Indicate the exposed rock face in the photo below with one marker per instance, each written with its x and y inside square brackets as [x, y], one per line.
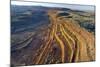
[61, 41]
[74, 43]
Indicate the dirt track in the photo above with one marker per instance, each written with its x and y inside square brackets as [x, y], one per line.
[75, 43]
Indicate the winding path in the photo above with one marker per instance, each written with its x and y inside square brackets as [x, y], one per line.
[77, 44]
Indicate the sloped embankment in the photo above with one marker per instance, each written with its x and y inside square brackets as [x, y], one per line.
[66, 41]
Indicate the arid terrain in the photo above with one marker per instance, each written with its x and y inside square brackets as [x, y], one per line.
[43, 35]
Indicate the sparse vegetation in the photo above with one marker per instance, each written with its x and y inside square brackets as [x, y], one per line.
[52, 36]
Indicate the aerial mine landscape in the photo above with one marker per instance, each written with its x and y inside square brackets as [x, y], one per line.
[51, 35]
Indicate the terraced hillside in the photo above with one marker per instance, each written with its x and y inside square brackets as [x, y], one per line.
[74, 43]
[68, 37]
